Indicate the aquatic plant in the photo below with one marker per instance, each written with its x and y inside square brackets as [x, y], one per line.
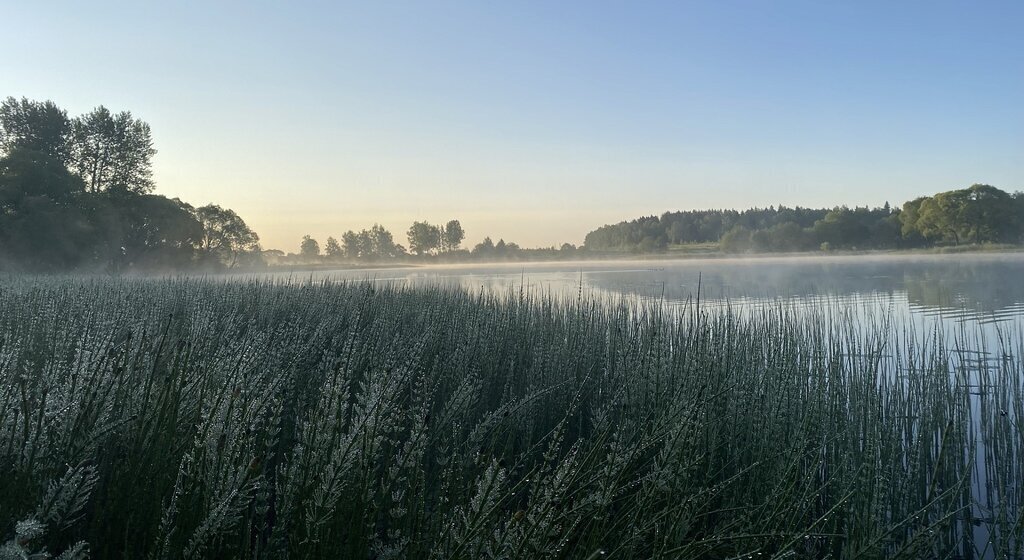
[253, 419]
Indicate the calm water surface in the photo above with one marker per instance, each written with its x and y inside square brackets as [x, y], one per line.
[978, 289]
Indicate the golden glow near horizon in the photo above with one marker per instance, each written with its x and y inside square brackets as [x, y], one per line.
[555, 199]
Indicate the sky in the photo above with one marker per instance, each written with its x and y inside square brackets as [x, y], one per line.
[539, 121]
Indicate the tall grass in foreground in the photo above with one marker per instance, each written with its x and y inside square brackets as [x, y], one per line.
[195, 419]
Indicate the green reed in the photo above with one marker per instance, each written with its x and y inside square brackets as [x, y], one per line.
[252, 419]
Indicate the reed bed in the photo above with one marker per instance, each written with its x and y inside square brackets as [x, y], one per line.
[187, 418]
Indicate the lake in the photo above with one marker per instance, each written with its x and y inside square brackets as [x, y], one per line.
[970, 288]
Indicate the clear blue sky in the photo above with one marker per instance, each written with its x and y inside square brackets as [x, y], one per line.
[538, 121]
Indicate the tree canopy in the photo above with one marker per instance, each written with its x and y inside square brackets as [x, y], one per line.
[112, 151]
[37, 126]
[310, 247]
[424, 238]
[225, 237]
[978, 214]
[75, 193]
[452, 235]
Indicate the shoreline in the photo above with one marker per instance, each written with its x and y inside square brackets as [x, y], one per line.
[648, 257]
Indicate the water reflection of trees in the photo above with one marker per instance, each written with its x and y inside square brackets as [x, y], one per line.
[978, 284]
[985, 287]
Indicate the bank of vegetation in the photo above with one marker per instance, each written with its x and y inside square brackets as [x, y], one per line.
[199, 419]
[976, 216]
[76, 194]
[428, 243]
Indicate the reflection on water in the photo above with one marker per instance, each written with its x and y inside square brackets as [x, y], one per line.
[975, 288]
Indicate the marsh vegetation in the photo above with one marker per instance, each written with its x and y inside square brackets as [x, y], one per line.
[256, 419]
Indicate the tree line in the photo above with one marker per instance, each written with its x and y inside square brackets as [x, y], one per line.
[978, 214]
[426, 242]
[77, 194]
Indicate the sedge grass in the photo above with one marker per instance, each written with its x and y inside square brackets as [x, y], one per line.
[252, 419]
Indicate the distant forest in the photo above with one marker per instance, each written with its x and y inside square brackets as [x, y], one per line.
[980, 214]
[76, 194]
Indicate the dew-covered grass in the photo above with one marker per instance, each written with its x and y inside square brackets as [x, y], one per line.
[247, 419]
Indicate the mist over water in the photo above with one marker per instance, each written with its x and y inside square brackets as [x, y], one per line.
[977, 288]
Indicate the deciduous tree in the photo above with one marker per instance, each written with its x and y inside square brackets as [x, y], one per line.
[423, 238]
[452, 235]
[309, 247]
[226, 238]
[332, 248]
[38, 126]
[112, 151]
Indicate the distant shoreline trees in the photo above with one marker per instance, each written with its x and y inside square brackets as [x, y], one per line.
[978, 214]
[427, 243]
[75, 194]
